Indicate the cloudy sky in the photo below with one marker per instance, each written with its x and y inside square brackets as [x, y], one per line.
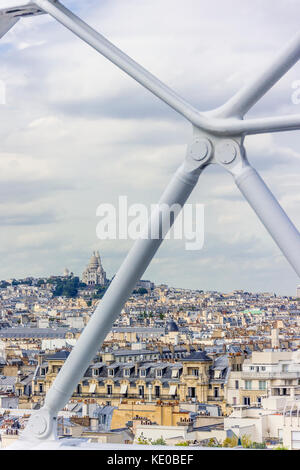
[77, 132]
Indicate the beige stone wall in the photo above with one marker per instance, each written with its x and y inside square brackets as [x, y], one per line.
[165, 415]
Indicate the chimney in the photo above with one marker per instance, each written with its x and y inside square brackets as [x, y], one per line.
[275, 338]
[40, 358]
[136, 367]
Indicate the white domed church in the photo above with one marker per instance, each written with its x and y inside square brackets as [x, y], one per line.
[94, 274]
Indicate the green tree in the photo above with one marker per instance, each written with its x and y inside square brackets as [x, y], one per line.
[159, 442]
[230, 442]
[143, 441]
[66, 287]
[246, 442]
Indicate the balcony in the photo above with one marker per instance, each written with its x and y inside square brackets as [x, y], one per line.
[134, 396]
[110, 396]
[270, 375]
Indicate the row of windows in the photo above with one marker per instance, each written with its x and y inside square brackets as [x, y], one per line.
[262, 384]
[142, 372]
[284, 368]
[151, 357]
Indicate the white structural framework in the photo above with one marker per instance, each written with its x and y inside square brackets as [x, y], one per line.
[218, 137]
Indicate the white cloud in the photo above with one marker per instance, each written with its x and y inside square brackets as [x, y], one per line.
[77, 132]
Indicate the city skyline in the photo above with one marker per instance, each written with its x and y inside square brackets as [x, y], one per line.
[52, 180]
[67, 272]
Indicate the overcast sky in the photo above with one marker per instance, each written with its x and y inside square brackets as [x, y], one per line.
[77, 132]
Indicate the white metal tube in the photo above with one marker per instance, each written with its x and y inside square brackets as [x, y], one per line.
[119, 58]
[119, 290]
[242, 101]
[271, 214]
[6, 24]
[270, 124]
[231, 126]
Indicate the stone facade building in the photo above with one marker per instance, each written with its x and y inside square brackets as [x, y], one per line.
[94, 274]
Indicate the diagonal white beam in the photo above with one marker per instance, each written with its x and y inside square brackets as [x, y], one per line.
[122, 60]
[6, 24]
[246, 98]
[271, 214]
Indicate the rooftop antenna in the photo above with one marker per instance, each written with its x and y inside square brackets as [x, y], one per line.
[218, 138]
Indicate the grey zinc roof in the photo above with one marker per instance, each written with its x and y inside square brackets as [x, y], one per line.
[23, 332]
[7, 380]
[220, 363]
[197, 356]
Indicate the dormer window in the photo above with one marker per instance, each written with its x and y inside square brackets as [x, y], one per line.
[159, 373]
[143, 373]
[126, 372]
[111, 372]
[43, 371]
[95, 372]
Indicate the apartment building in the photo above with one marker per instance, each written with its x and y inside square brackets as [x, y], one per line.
[270, 372]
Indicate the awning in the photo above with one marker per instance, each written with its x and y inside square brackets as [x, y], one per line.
[124, 388]
[172, 390]
[92, 388]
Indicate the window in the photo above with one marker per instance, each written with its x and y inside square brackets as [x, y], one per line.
[246, 401]
[236, 384]
[41, 388]
[157, 391]
[159, 373]
[262, 385]
[248, 384]
[191, 392]
[143, 372]
[285, 367]
[126, 372]
[109, 389]
[95, 371]
[102, 419]
[195, 372]
[141, 391]
[110, 372]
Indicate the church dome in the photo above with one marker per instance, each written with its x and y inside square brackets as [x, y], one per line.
[94, 261]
